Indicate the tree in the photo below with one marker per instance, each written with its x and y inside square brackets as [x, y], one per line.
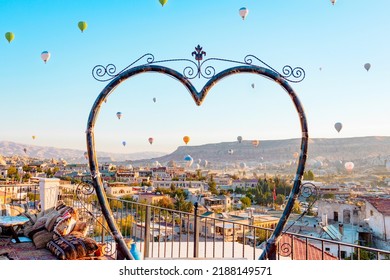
[246, 202]
[165, 202]
[280, 199]
[308, 176]
[212, 186]
[296, 208]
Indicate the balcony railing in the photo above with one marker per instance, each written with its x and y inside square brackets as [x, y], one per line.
[161, 233]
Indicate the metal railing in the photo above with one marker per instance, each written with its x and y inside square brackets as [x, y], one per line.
[16, 198]
[161, 233]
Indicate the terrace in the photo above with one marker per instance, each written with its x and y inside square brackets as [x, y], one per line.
[160, 233]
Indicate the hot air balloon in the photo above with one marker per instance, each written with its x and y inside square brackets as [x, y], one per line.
[242, 165]
[9, 36]
[333, 2]
[367, 66]
[186, 139]
[25, 150]
[82, 25]
[199, 161]
[206, 163]
[150, 140]
[189, 160]
[296, 154]
[243, 12]
[320, 68]
[239, 138]
[119, 115]
[338, 126]
[230, 151]
[45, 55]
[33, 137]
[124, 143]
[154, 99]
[86, 155]
[255, 143]
[253, 85]
[163, 2]
[349, 166]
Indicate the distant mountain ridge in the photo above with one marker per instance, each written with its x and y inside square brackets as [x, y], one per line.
[275, 151]
[8, 148]
[278, 151]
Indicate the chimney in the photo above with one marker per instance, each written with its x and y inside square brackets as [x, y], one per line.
[341, 228]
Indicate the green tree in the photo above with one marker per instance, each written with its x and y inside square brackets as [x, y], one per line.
[280, 199]
[213, 186]
[296, 208]
[246, 202]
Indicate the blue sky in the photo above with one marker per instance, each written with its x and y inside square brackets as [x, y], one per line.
[53, 100]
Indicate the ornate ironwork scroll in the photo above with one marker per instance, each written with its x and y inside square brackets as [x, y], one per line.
[200, 69]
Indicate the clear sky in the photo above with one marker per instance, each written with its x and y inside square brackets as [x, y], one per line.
[53, 100]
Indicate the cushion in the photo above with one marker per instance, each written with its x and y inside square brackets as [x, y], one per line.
[72, 246]
[51, 220]
[41, 237]
[80, 227]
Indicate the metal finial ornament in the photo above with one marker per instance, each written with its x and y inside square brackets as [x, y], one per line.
[199, 68]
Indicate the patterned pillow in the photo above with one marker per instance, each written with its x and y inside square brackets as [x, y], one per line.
[40, 237]
[71, 247]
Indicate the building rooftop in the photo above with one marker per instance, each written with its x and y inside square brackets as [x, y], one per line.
[380, 204]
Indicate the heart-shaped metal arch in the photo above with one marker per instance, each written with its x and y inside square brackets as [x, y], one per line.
[270, 250]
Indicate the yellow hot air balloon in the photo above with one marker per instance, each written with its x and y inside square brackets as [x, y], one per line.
[186, 139]
[82, 25]
[33, 137]
[163, 2]
[9, 36]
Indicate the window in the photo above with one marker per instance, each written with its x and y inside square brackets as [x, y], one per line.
[343, 254]
[327, 249]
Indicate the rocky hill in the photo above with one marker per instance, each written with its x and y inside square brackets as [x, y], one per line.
[70, 155]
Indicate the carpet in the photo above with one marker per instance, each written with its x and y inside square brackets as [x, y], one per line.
[23, 251]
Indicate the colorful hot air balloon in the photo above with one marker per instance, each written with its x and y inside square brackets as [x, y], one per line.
[243, 12]
[239, 138]
[124, 143]
[255, 143]
[189, 160]
[338, 126]
[296, 154]
[82, 25]
[333, 2]
[9, 36]
[186, 139]
[154, 99]
[25, 150]
[119, 115]
[150, 140]
[163, 2]
[367, 66]
[253, 85]
[349, 166]
[45, 55]
[230, 151]
[33, 137]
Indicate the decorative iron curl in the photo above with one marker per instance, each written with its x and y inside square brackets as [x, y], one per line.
[307, 190]
[83, 190]
[99, 71]
[287, 71]
[285, 249]
[298, 73]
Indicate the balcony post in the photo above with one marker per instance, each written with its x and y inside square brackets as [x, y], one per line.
[147, 232]
[196, 231]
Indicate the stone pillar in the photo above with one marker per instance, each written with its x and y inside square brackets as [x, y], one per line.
[48, 190]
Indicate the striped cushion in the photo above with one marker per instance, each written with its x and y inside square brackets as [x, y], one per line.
[71, 247]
